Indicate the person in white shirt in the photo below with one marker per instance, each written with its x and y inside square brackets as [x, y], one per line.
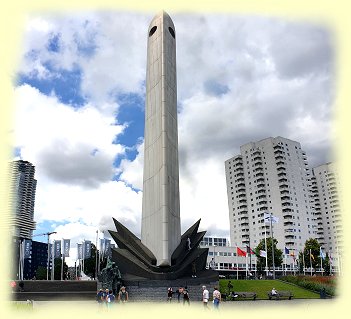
[274, 292]
[205, 296]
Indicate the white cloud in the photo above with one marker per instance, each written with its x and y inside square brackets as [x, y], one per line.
[132, 171]
[66, 145]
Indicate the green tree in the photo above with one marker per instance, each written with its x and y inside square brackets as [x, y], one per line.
[57, 269]
[310, 254]
[278, 255]
[40, 273]
[90, 263]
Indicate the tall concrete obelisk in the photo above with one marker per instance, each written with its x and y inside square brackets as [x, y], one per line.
[160, 227]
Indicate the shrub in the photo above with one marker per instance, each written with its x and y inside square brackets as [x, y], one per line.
[315, 284]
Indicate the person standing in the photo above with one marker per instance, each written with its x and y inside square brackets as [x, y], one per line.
[123, 295]
[205, 297]
[100, 297]
[169, 294]
[230, 287]
[212, 264]
[105, 296]
[110, 299]
[216, 298]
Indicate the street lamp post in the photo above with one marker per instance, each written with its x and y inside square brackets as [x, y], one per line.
[96, 255]
[272, 247]
[214, 256]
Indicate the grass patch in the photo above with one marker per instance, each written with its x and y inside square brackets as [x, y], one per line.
[21, 306]
[261, 287]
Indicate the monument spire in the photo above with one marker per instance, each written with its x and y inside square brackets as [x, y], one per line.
[160, 226]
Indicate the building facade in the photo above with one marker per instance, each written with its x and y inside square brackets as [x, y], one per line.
[270, 176]
[328, 207]
[22, 198]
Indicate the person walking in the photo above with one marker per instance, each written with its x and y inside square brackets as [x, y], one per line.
[205, 297]
[179, 293]
[216, 298]
[186, 298]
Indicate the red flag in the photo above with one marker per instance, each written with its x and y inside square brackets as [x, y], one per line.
[240, 252]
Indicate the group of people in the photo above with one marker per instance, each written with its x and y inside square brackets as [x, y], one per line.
[181, 292]
[108, 298]
[184, 293]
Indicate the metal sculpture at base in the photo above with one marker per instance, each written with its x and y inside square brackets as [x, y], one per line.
[135, 261]
[110, 277]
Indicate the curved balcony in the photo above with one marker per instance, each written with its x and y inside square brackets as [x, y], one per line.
[260, 174]
[242, 190]
[285, 197]
[258, 169]
[289, 230]
[242, 207]
[261, 191]
[282, 174]
[259, 180]
[279, 157]
[260, 185]
[258, 163]
[278, 151]
[288, 223]
[289, 236]
[240, 179]
[257, 158]
[287, 216]
[244, 224]
[289, 243]
[262, 202]
[283, 186]
[241, 184]
[282, 180]
[242, 201]
[286, 210]
[280, 163]
[286, 204]
[263, 208]
[256, 152]
[283, 192]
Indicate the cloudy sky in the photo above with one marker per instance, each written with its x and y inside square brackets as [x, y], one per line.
[80, 90]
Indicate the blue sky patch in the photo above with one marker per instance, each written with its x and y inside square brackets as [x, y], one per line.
[131, 111]
[66, 85]
[54, 43]
[44, 227]
[212, 87]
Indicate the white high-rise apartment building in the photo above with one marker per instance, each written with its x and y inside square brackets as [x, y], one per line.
[327, 206]
[271, 175]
